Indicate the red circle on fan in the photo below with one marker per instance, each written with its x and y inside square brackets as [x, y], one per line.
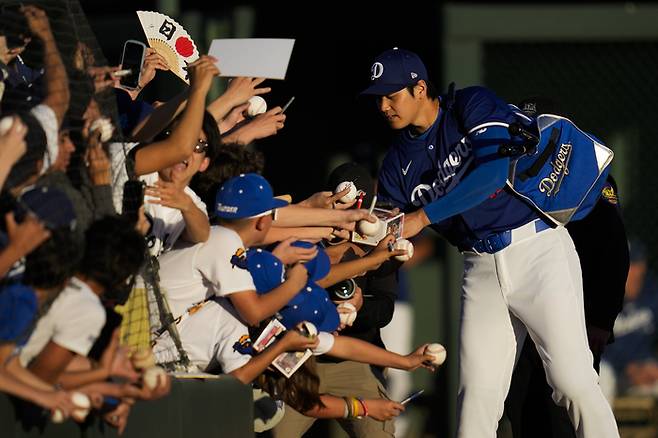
[184, 46]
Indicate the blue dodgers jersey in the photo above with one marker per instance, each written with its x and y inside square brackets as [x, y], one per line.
[419, 170]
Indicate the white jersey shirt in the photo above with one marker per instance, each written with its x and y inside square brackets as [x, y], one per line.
[73, 321]
[210, 338]
[213, 336]
[189, 274]
[168, 223]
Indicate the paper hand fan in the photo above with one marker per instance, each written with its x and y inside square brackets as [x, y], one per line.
[170, 40]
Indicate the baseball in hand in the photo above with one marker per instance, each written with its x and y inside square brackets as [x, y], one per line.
[82, 403]
[351, 195]
[257, 105]
[438, 352]
[154, 377]
[366, 228]
[308, 329]
[404, 244]
[104, 126]
[348, 315]
[6, 124]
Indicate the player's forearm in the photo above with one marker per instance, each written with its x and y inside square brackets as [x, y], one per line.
[160, 118]
[479, 185]
[354, 349]
[414, 223]
[197, 227]
[257, 364]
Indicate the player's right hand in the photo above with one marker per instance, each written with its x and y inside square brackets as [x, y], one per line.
[382, 409]
[202, 71]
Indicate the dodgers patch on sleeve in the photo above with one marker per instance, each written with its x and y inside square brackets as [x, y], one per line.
[608, 193]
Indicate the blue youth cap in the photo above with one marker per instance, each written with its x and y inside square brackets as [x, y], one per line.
[394, 70]
[312, 304]
[319, 266]
[266, 270]
[245, 196]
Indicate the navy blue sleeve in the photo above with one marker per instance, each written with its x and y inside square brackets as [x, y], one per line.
[485, 118]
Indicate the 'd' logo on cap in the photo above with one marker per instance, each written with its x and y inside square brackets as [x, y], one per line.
[377, 70]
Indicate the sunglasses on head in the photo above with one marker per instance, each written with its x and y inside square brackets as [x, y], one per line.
[200, 148]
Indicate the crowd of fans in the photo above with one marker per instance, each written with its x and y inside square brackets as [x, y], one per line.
[168, 197]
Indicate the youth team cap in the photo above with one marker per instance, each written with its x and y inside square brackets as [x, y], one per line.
[394, 70]
[244, 196]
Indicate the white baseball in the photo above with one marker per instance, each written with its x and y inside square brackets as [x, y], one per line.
[351, 195]
[347, 318]
[153, 377]
[369, 228]
[6, 124]
[310, 328]
[57, 417]
[104, 125]
[405, 245]
[438, 352]
[82, 403]
[257, 105]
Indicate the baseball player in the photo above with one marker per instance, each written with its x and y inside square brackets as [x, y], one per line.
[521, 274]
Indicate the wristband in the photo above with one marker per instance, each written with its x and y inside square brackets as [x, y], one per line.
[365, 408]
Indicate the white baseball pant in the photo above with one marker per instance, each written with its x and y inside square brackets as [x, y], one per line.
[532, 286]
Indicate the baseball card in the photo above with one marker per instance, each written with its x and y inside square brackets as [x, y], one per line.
[393, 226]
[290, 361]
[268, 335]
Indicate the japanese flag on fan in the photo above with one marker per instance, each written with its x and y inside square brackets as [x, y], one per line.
[170, 40]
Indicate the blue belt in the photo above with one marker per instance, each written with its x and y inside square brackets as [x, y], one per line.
[498, 241]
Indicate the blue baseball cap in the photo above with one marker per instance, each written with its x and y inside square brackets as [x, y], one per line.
[312, 304]
[50, 205]
[394, 70]
[266, 270]
[244, 196]
[319, 266]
